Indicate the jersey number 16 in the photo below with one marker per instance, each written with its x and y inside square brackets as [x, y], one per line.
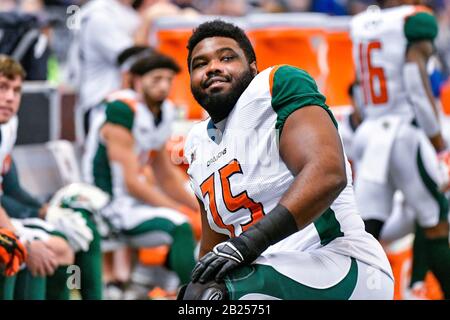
[370, 72]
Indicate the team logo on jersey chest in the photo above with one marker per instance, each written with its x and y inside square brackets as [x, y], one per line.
[216, 157]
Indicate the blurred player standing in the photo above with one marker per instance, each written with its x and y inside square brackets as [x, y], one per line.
[395, 146]
[107, 28]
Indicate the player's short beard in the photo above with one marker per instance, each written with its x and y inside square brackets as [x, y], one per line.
[219, 105]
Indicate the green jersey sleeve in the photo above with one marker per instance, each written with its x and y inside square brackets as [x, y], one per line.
[120, 113]
[421, 26]
[292, 89]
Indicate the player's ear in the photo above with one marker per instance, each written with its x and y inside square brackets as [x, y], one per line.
[253, 68]
[136, 83]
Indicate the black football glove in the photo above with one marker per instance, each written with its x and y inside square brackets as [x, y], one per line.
[226, 256]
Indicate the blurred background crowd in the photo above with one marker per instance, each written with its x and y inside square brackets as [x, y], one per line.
[56, 20]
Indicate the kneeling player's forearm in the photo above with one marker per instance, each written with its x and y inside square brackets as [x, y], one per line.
[313, 191]
[300, 205]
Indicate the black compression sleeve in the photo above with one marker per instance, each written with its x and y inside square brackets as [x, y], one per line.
[274, 227]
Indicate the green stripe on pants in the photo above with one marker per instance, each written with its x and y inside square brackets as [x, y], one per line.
[433, 189]
[264, 279]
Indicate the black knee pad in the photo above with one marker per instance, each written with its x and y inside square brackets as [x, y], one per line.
[206, 291]
[374, 227]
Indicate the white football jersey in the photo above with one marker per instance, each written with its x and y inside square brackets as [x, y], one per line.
[8, 136]
[124, 108]
[379, 48]
[237, 172]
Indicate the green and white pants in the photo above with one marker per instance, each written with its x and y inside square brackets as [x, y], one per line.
[411, 167]
[313, 275]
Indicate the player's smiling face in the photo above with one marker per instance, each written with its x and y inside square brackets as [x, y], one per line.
[220, 72]
[10, 94]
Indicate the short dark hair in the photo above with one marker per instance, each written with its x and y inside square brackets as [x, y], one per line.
[351, 89]
[136, 4]
[154, 61]
[132, 52]
[220, 28]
